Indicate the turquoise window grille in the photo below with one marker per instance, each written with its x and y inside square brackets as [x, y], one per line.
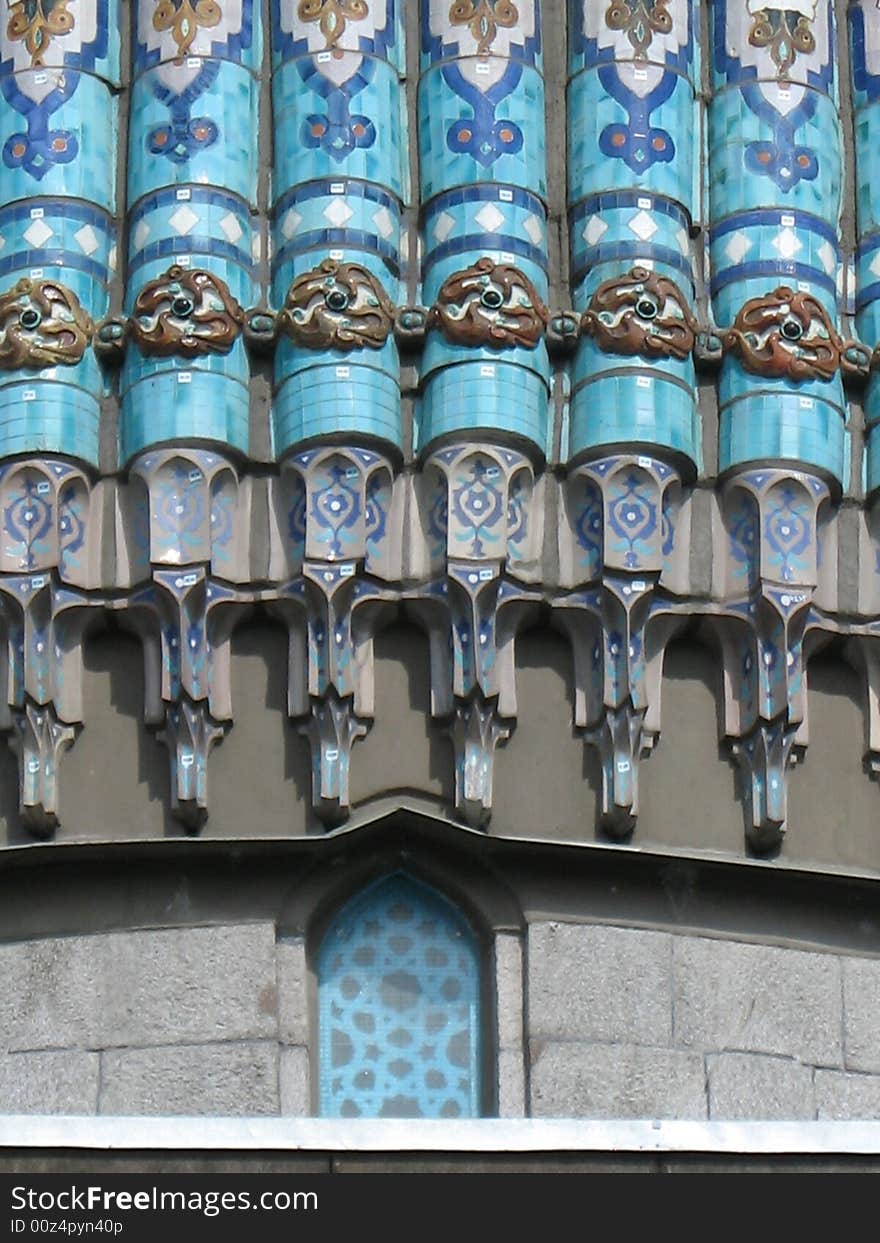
[399, 1007]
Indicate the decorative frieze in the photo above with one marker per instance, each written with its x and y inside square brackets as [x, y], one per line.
[433, 442]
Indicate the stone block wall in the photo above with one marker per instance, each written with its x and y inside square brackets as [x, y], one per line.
[586, 1020]
[631, 1023]
[171, 1021]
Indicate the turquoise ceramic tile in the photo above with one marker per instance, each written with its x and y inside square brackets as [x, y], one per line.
[735, 382]
[872, 459]
[788, 427]
[58, 137]
[480, 397]
[358, 221]
[483, 219]
[41, 415]
[647, 408]
[204, 227]
[61, 237]
[231, 31]
[756, 164]
[355, 131]
[193, 123]
[591, 361]
[439, 353]
[612, 232]
[622, 142]
[466, 138]
[340, 398]
[183, 404]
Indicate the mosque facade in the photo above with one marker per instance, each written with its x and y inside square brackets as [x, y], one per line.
[440, 562]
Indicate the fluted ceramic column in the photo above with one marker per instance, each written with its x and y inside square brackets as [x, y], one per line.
[339, 183]
[193, 252]
[483, 414]
[864, 20]
[775, 176]
[634, 127]
[59, 73]
[864, 27]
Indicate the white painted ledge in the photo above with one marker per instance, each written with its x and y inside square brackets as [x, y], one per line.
[398, 1135]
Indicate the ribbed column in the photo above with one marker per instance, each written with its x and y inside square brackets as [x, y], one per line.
[483, 423]
[864, 30]
[341, 172]
[865, 44]
[775, 172]
[59, 74]
[482, 146]
[59, 65]
[634, 167]
[192, 245]
[634, 128]
[775, 151]
[193, 268]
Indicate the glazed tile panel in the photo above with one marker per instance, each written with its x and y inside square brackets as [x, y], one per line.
[634, 170]
[775, 199]
[482, 140]
[865, 46]
[194, 239]
[339, 184]
[59, 67]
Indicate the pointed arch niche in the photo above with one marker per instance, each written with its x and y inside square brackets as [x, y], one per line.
[400, 1006]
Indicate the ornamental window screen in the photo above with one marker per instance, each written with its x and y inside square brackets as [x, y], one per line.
[399, 1007]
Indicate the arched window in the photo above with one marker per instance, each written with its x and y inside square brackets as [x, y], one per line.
[399, 1007]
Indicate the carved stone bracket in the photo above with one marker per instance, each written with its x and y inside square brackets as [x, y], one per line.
[189, 732]
[184, 621]
[42, 709]
[476, 730]
[862, 649]
[331, 614]
[772, 524]
[765, 723]
[472, 617]
[39, 739]
[182, 548]
[47, 558]
[481, 537]
[336, 545]
[618, 633]
[625, 536]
